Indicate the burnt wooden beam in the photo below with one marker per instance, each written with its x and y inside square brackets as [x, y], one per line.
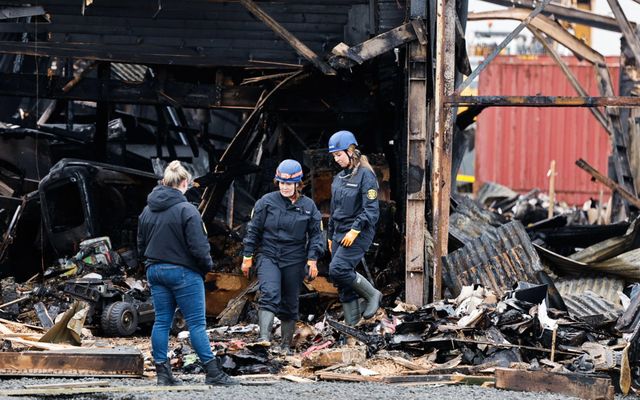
[120, 362]
[566, 13]
[626, 28]
[443, 136]
[576, 385]
[544, 101]
[548, 27]
[523, 24]
[346, 57]
[605, 180]
[281, 31]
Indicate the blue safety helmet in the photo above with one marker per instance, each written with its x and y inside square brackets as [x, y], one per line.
[289, 171]
[341, 140]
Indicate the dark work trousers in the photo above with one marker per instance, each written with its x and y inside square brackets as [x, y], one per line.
[344, 261]
[280, 288]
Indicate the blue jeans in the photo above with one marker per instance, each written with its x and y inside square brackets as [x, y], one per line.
[173, 285]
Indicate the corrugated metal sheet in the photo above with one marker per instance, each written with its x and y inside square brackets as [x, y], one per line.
[515, 145]
[590, 304]
[607, 287]
[494, 263]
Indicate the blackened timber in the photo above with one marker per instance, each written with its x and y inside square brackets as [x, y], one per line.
[346, 57]
[281, 31]
[625, 27]
[631, 198]
[544, 101]
[119, 362]
[565, 13]
[443, 136]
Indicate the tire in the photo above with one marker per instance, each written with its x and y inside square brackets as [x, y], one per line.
[119, 319]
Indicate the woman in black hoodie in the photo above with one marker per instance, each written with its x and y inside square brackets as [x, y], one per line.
[173, 241]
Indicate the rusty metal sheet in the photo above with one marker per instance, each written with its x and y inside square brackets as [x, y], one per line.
[514, 145]
[495, 264]
[604, 286]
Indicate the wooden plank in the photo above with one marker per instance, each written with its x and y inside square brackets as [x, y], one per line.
[581, 386]
[627, 30]
[334, 376]
[297, 379]
[628, 196]
[69, 385]
[416, 189]
[447, 378]
[113, 389]
[326, 358]
[119, 362]
[443, 137]
[298, 46]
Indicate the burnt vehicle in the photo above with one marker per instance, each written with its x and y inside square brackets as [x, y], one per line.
[83, 199]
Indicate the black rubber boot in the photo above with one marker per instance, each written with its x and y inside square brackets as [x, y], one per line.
[216, 376]
[265, 322]
[351, 312]
[164, 375]
[373, 296]
[287, 329]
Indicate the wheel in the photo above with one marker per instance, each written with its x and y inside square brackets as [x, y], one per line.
[119, 319]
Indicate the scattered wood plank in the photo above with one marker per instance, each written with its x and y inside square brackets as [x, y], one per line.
[83, 384]
[335, 376]
[325, 358]
[584, 387]
[40, 345]
[297, 379]
[443, 379]
[20, 324]
[113, 389]
[406, 363]
[605, 180]
[76, 362]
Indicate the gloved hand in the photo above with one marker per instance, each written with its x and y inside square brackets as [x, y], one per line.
[330, 243]
[349, 238]
[247, 263]
[313, 269]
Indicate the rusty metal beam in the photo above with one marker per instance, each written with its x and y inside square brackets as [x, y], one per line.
[523, 24]
[443, 136]
[549, 27]
[628, 196]
[570, 14]
[627, 30]
[573, 80]
[281, 31]
[543, 101]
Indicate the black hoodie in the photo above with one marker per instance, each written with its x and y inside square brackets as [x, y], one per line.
[170, 230]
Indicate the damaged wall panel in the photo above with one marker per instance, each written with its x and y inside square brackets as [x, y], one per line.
[496, 264]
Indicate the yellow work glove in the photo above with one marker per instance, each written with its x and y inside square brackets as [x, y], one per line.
[349, 238]
[330, 242]
[313, 268]
[247, 262]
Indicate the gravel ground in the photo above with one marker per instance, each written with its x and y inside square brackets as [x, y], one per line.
[296, 391]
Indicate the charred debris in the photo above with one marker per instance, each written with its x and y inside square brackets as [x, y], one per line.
[484, 290]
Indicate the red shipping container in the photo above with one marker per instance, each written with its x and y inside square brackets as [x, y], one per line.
[515, 145]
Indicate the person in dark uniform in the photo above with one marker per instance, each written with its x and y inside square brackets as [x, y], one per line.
[286, 231]
[352, 225]
[173, 241]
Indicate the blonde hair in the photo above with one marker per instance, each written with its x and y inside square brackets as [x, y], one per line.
[174, 174]
[359, 159]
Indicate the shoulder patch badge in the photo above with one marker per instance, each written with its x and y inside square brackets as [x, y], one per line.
[372, 194]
